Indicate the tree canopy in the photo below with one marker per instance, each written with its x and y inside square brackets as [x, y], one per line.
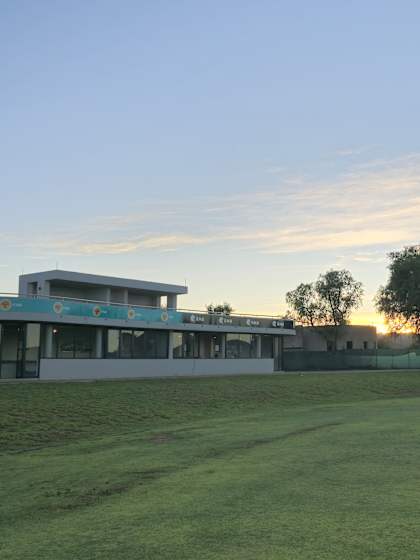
[221, 308]
[328, 301]
[399, 299]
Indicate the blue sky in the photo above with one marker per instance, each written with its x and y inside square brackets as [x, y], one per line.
[242, 147]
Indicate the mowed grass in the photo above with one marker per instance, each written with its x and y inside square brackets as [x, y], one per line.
[268, 467]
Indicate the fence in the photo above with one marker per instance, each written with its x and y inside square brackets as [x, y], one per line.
[304, 360]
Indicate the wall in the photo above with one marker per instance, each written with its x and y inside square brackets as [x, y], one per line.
[313, 339]
[113, 369]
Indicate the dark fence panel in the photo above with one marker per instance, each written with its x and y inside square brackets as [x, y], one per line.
[303, 360]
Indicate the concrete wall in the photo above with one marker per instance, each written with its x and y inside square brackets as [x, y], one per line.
[113, 369]
[315, 338]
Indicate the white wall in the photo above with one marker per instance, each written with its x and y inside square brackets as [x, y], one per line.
[113, 369]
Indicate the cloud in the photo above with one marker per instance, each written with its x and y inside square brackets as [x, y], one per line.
[365, 207]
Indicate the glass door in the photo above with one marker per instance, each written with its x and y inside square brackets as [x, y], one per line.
[19, 350]
[11, 351]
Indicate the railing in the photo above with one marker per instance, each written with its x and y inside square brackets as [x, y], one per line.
[134, 306]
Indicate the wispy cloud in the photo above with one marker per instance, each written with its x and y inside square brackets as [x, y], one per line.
[365, 207]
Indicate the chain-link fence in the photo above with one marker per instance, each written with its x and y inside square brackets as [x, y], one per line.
[304, 360]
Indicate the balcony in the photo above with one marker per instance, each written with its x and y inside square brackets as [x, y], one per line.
[13, 306]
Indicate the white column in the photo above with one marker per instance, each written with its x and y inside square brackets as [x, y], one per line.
[98, 343]
[172, 301]
[170, 345]
[223, 345]
[48, 341]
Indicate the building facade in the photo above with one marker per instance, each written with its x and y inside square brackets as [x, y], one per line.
[319, 339]
[68, 325]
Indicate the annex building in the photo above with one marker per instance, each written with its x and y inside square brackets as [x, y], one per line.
[69, 325]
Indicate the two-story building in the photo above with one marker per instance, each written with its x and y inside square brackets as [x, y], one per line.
[69, 325]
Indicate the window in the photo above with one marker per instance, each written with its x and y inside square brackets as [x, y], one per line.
[330, 346]
[349, 345]
[365, 345]
[126, 343]
[126, 340]
[232, 345]
[242, 345]
[255, 343]
[177, 345]
[113, 343]
[210, 345]
[186, 345]
[245, 345]
[73, 341]
[266, 346]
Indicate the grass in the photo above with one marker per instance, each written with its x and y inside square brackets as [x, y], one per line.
[270, 467]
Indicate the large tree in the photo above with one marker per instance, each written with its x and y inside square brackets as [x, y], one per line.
[399, 299]
[327, 303]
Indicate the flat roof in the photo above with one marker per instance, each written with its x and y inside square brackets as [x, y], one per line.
[108, 281]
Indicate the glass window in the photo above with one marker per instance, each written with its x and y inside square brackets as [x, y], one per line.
[190, 343]
[245, 345]
[232, 345]
[72, 341]
[113, 343]
[32, 343]
[255, 342]
[138, 344]
[84, 342]
[218, 345]
[349, 345]
[162, 342]
[65, 341]
[266, 346]
[365, 345]
[177, 345]
[186, 345]
[126, 337]
[205, 345]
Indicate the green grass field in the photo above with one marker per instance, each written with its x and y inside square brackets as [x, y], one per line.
[262, 468]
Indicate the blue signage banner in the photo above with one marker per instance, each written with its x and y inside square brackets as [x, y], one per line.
[61, 308]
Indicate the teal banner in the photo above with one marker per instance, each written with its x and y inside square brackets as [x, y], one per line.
[62, 308]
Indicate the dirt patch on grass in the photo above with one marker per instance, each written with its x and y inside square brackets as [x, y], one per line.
[162, 438]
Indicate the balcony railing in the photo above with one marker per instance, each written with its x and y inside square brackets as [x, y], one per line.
[64, 306]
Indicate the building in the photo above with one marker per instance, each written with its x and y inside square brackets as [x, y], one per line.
[319, 339]
[68, 325]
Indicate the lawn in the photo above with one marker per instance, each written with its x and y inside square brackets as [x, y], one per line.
[316, 466]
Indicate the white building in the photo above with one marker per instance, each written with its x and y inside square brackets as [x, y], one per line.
[68, 325]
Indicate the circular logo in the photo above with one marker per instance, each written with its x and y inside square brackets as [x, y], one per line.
[96, 311]
[131, 314]
[164, 316]
[5, 305]
[58, 307]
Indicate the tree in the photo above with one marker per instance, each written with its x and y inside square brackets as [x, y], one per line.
[327, 303]
[221, 308]
[399, 300]
[306, 306]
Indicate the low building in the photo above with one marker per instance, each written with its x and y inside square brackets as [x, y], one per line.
[349, 337]
[68, 325]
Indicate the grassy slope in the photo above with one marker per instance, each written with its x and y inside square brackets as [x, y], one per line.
[293, 467]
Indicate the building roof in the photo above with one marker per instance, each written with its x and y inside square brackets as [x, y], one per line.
[80, 278]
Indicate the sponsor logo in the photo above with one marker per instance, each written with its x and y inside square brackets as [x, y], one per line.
[197, 319]
[5, 305]
[58, 307]
[277, 323]
[225, 321]
[96, 311]
[164, 316]
[131, 314]
[252, 323]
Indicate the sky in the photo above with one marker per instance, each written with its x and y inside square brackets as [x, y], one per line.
[238, 147]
